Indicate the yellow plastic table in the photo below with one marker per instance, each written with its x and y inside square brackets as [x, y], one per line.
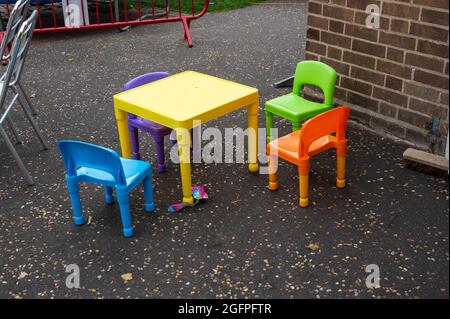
[179, 100]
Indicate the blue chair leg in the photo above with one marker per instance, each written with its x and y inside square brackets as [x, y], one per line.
[109, 198]
[74, 194]
[124, 202]
[148, 193]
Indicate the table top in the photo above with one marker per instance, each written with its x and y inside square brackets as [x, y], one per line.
[178, 100]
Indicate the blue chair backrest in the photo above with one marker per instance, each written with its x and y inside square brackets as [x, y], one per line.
[144, 79]
[78, 154]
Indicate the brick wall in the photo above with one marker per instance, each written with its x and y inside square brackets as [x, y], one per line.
[395, 77]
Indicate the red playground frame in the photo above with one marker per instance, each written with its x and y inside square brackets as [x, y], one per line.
[50, 14]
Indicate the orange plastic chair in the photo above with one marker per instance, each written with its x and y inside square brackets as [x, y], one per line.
[313, 138]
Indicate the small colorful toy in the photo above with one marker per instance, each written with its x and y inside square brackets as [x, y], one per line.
[294, 106]
[199, 195]
[95, 164]
[314, 138]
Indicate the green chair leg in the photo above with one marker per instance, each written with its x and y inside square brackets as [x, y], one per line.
[269, 126]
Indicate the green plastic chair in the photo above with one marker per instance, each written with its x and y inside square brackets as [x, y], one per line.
[293, 106]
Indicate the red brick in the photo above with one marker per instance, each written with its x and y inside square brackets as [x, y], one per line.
[444, 99]
[401, 26]
[394, 83]
[434, 17]
[335, 39]
[399, 71]
[338, 2]
[339, 13]
[420, 91]
[431, 79]
[368, 76]
[317, 22]
[362, 101]
[395, 55]
[394, 69]
[369, 48]
[428, 32]
[359, 59]
[315, 7]
[340, 94]
[340, 67]
[442, 4]
[313, 34]
[440, 50]
[357, 86]
[424, 62]
[390, 97]
[399, 41]
[334, 53]
[427, 108]
[336, 26]
[400, 10]
[361, 4]
[315, 47]
[361, 32]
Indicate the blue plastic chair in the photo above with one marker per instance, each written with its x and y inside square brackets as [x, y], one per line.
[95, 164]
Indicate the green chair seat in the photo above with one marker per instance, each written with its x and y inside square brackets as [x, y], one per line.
[294, 106]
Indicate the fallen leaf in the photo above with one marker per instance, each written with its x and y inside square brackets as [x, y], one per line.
[127, 277]
[313, 246]
[22, 275]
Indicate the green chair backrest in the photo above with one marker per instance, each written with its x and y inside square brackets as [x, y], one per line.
[317, 74]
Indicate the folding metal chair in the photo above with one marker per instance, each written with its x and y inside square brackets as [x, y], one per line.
[9, 80]
[17, 16]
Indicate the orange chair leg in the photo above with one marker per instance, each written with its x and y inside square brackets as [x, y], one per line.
[304, 190]
[340, 181]
[273, 173]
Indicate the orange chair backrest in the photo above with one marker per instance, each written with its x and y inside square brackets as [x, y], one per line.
[333, 121]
